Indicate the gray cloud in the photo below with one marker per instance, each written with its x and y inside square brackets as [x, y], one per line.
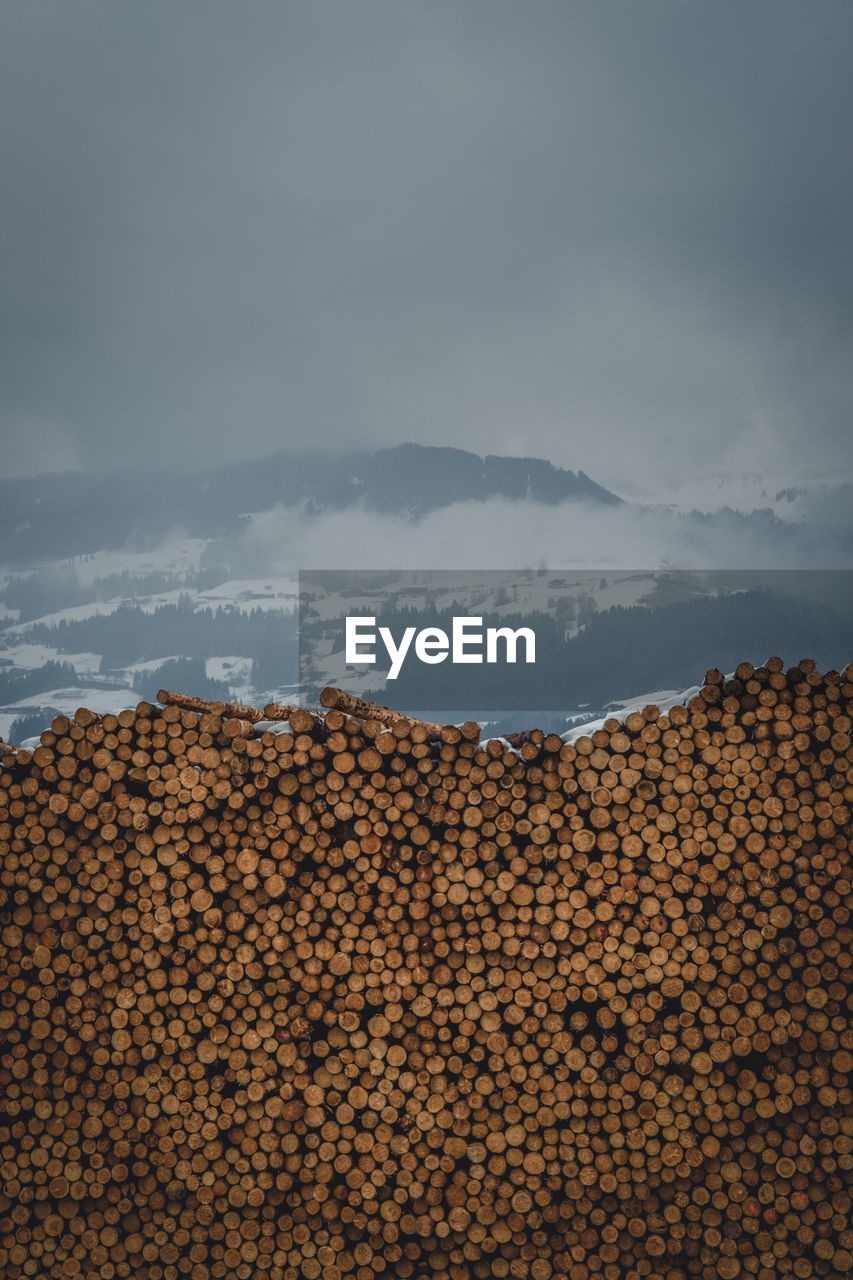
[617, 235]
[501, 532]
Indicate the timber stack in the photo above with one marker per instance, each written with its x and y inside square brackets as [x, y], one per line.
[364, 999]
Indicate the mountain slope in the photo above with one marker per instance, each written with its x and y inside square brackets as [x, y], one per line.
[76, 513]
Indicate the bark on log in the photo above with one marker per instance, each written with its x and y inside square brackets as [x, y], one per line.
[301, 719]
[338, 700]
[227, 710]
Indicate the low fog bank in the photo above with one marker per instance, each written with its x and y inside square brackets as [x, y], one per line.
[500, 534]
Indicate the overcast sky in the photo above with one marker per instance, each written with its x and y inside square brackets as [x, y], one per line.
[616, 234]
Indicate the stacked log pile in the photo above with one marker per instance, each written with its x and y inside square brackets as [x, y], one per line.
[359, 1000]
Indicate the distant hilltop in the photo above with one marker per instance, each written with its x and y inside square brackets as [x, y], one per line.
[410, 479]
[80, 512]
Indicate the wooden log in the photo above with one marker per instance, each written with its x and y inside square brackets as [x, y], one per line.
[301, 718]
[337, 699]
[226, 710]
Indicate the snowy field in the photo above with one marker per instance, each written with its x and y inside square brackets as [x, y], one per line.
[67, 701]
[28, 657]
[176, 554]
[242, 595]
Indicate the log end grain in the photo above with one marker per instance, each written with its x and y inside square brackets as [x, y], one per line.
[363, 998]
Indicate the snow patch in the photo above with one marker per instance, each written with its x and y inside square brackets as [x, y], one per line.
[176, 554]
[663, 699]
[26, 657]
[233, 670]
